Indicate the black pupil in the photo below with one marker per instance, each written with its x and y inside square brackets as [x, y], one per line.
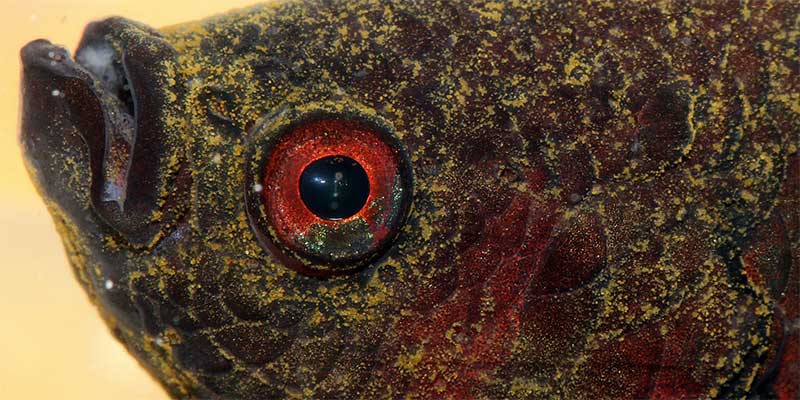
[334, 187]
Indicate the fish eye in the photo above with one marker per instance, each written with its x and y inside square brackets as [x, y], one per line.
[334, 192]
[334, 187]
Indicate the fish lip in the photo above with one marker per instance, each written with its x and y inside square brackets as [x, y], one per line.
[54, 66]
[41, 53]
[57, 60]
[51, 66]
[106, 106]
[52, 70]
[51, 85]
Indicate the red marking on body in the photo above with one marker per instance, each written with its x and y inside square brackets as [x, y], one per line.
[467, 336]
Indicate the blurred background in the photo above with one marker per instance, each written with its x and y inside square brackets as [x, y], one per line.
[53, 344]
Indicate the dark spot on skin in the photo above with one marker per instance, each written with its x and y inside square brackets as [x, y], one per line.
[254, 344]
[219, 105]
[276, 69]
[663, 128]
[576, 254]
[196, 353]
[413, 35]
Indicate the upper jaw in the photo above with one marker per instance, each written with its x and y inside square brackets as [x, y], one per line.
[103, 116]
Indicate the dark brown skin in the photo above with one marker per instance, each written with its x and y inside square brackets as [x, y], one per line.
[603, 197]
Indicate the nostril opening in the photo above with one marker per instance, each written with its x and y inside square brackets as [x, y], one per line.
[105, 64]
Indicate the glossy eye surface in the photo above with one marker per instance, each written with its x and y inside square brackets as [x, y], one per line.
[335, 192]
[334, 187]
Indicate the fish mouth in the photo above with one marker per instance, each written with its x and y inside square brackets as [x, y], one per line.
[102, 116]
[93, 93]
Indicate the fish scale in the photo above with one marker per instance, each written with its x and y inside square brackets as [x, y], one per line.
[570, 199]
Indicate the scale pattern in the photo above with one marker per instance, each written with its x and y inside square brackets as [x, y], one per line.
[605, 202]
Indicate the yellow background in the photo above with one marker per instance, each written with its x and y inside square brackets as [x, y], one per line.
[52, 342]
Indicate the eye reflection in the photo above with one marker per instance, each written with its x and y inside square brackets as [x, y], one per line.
[334, 187]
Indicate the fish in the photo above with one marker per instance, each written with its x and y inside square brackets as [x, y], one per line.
[434, 199]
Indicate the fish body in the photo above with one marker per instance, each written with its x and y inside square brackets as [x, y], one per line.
[567, 199]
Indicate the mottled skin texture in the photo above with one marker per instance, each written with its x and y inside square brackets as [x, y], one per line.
[605, 198]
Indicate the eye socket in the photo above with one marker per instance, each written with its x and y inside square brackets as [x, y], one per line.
[334, 193]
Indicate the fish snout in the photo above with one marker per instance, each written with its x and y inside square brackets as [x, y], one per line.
[94, 127]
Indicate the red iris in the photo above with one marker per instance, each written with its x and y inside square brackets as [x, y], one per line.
[334, 242]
